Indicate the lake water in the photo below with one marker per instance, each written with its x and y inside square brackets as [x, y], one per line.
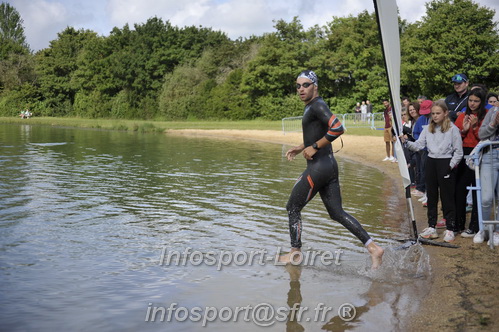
[108, 231]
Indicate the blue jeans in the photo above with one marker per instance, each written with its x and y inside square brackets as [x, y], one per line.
[489, 176]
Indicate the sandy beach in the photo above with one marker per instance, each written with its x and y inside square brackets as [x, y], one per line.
[464, 295]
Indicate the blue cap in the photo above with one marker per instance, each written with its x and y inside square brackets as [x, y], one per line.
[459, 78]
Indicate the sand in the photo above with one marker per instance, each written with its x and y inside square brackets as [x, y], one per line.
[464, 292]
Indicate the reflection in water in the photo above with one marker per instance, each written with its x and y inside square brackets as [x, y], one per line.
[85, 215]
[394, 292]
[294, 298]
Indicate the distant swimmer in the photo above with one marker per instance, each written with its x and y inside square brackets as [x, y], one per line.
[320, 129]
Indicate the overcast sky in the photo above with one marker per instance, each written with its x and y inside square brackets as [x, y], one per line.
[43, 19]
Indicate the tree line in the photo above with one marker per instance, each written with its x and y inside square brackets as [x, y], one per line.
[160, 71]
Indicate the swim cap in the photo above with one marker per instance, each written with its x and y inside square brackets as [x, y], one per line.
[310, 75]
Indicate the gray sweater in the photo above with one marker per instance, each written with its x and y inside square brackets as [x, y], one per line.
[486, 131]
[440, 145]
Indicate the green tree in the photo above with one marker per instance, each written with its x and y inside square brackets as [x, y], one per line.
[12, 38]
[454, 36]
[16, 64]
[350, 63]
[56, 66]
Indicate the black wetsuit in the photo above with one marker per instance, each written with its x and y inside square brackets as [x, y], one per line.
[321, 175]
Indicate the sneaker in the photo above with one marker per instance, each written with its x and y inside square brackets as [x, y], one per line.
[429, 233]
[425, 201]
[479, 237]
[468, 233]
[449, 236]
[394, 160]
[386, 159]
[417, 193]
[423, 198]
[441, 224]
[425, 204]
[494, 238]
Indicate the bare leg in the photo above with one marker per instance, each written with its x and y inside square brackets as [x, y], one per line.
[293, 256]
[376, 253]
[387, 147]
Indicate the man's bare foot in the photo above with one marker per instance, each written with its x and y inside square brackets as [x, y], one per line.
[294, 256]
[376, 253]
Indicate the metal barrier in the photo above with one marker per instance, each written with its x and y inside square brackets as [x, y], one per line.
[349, 120]
[292, 124]
[358, 120]
[485, 225]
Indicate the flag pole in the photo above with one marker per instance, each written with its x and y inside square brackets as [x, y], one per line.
[387, 19]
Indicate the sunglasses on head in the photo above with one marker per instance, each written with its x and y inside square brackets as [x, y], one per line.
[305, 85]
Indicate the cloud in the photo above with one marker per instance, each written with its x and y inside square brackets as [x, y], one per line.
[122, 12]
[43, 19]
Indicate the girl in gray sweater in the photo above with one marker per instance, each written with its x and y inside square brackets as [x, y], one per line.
[445, 150]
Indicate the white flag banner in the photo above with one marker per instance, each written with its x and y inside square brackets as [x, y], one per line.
[386, 11]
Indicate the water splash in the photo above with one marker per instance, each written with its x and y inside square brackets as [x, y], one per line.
[408, 261]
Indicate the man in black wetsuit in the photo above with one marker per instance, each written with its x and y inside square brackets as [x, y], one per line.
[320, 128]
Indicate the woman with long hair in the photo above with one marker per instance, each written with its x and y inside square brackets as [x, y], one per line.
[445, 150]
[414, 158]
[469, 123]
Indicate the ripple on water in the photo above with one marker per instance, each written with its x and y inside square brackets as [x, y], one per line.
[86, 215]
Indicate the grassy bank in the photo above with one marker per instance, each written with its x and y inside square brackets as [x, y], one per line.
[145, 126]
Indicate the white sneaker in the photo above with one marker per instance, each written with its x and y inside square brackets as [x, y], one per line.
[417, 193]
[394, 160]
[423, 198]
[449, 236]
[479, 237]
[495, 238]
[391, 159]
[429, 233]
[386, 159]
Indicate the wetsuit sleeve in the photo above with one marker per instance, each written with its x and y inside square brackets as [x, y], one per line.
[335, 127]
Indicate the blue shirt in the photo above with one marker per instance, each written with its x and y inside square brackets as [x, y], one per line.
[421, 122]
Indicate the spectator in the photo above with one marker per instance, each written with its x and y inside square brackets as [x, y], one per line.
[492, 99]
[369, 109]
[469, 123]
[363, 111]
[443, 141]
[414, 159]
[405, 102]
[456, 101]
[357, 113]
[489, 169]
[421, 123]
[388, 137]
[421, 98]
[407, 135]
